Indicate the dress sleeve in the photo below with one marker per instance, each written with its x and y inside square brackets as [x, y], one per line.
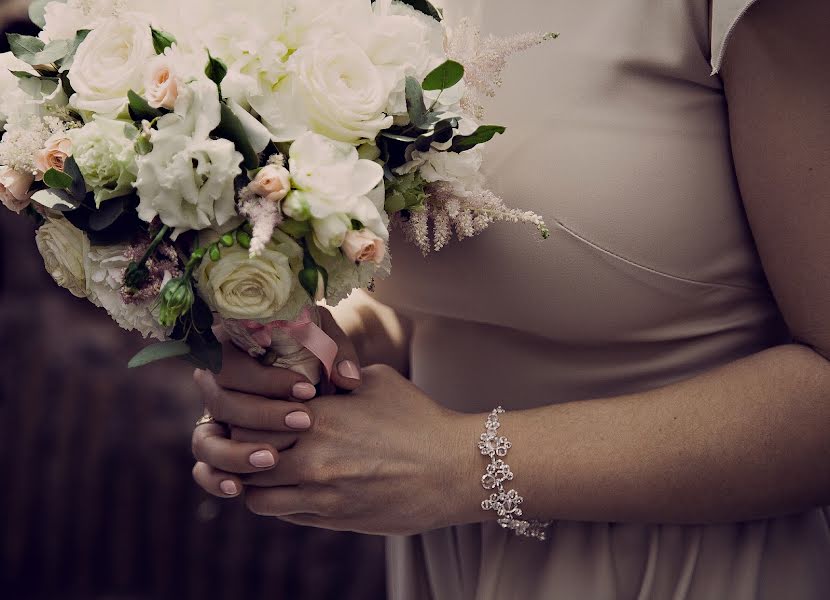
[725, 16]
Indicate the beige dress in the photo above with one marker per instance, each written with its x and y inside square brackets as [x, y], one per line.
[618, 135]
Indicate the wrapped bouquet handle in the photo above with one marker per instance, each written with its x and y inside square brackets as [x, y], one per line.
[300, 345]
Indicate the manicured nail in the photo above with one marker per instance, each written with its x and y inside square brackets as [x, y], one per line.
[298, 420]
[262, 459]
[228, 488]
[349, 370]
[303, 391]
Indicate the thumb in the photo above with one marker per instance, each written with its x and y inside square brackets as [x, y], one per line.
[346, 373]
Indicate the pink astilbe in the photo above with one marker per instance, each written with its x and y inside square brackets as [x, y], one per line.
[485, 58]
[162, 265]
[264, 216]
[468, 213]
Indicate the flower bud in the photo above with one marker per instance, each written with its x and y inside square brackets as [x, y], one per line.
[272, 183]
[177, 298]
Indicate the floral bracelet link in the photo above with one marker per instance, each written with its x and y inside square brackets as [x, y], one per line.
[506, 504]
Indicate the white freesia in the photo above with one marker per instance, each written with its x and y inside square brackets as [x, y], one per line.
[14, 98]
[105, 267]
[332, 185]
[264, 288]
[460, 169]
[332, 88]
[109, 63]
[105, 152]
[64, 249]
[188, 178]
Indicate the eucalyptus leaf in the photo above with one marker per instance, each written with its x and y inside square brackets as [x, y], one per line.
[444, 76]
[58, 200]
[24, 75]
[425, 7]
[67, 61]
[231, 128]
[482, 135]
[415, 105]
[205, 350]
[444, 130]
[140, 109]
[78, 188]
[37, 11]
[57, 180]
[423, 143]
[157, 352]
[53, 52]
[398, 138]
[24, 47]
[161, 40]
[111, 211]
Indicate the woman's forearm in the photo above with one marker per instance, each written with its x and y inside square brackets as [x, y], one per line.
[746, 441]
[380, 335]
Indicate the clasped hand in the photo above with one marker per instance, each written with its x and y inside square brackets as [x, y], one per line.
[384, 459]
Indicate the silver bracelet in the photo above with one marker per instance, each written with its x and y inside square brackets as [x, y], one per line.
[506, 504]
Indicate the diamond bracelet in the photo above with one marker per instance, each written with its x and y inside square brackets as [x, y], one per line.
[506, 504]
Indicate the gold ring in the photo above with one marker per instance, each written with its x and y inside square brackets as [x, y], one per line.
[207, 419]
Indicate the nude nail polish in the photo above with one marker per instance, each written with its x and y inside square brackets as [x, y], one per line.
[303, 391]
[228, 487]
[349, 370]
[262, 459]
[298, 420]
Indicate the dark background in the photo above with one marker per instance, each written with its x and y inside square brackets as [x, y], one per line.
[96, 496]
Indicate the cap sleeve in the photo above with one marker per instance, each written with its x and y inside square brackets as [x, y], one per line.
[725, 16]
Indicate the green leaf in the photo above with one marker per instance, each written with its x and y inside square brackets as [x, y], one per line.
[59, 200]
[482, 135]
[425, 7]
[309, 278]
[24, 75]
[444, 130]
[205, 350]
[140, 109]
[57, 180]
[24, 47]
[78, 188]
[415, 105]
[54, 52]
[67, 61]
[161, 40]
[37, 11]
[444, 76]
[216, 70]
[395, 202]
[296, 229]
[231, 128]
[398, 138]
[157, 352]
[111, 211]
[143, 145]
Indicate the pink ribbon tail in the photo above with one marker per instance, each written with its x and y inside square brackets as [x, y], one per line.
[313, 338]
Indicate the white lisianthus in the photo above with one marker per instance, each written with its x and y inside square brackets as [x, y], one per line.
[14, 98]
[188, 178]
[264, 288]
[461, 169]
[64, 249]
[109, 63]
[332, 88]
[105, 267]
[105, 152]
[332, 185]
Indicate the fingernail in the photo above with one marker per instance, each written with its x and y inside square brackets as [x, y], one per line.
[298, 420]
[303, 391]
[349, 370]
[228, 488]
[262, 459]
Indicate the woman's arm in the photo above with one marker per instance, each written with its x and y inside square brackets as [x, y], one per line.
[751, 439]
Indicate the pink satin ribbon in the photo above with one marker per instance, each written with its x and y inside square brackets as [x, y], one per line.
[304, 331]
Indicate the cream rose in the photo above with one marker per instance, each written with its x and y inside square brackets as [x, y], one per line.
[64, 250]
[265, 288]
[161, 83]
[364, 246]
[332, 88]
[109, 63]
[53, 156]
[272, 183]
[14, 189]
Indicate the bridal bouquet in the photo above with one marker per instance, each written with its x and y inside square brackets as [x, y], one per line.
[194, 160]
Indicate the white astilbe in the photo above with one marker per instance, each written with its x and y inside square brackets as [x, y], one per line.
[467, 213]
[485, 58]
[264, 216]
[24, 140]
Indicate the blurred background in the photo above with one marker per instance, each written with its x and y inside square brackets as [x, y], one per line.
[96, 499]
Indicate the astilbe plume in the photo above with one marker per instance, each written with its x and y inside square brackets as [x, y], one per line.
[485, 58]
[264, 215]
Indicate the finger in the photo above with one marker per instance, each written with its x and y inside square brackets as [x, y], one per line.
[251, 412]
[242, 373]
[278, 502]
[294, 470]
[277, 440]
[216, 483]
[211, 446]
[346, 373]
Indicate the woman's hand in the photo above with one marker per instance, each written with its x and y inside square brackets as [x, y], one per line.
[384, 460]
[220, 459]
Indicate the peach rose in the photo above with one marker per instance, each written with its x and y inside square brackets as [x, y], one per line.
[14, 189]
[53, 156]
[161, 84]
[364, 246]
[272, 183]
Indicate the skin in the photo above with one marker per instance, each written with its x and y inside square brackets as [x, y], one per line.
[747, 440]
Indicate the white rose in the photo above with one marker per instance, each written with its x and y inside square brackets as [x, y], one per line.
[13, 97]
[188, 179]
[105, 152]
[109, 63]
[332, 88]
[64, 249]
[332, 186]
[15, 193]
[265, 288]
